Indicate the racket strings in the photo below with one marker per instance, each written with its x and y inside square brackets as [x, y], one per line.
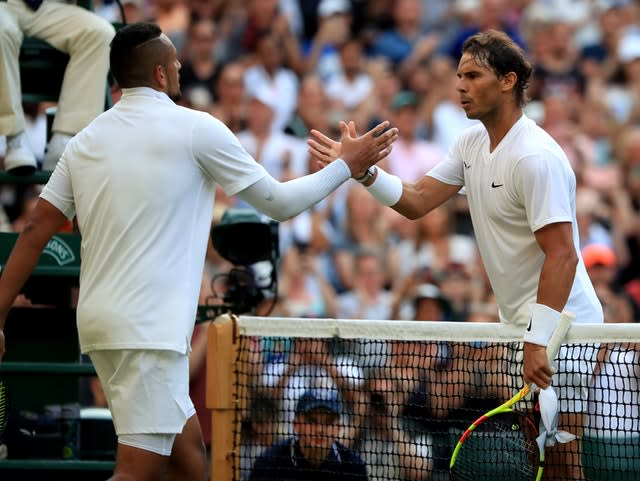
[501, 448]
[4, 407]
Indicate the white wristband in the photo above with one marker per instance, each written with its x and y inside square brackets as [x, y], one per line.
[386, 188]
[541, 325]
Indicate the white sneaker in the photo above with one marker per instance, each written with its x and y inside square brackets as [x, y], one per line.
[19, 158]
[54, 149]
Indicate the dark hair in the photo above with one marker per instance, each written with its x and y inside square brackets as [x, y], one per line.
[497, 51]
[129, 63]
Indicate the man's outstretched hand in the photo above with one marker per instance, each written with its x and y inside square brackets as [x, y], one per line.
[359, 152]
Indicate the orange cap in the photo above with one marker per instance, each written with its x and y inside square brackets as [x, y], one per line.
[594, 254]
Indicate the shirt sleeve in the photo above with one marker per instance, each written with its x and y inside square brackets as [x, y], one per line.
[450, 170]
[221, 156]
[545, 184]
[59, 190]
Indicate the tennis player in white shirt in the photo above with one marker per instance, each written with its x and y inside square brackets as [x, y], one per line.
[521, 193]
[140, 180]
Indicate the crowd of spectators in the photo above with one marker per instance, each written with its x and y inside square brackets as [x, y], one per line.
[273, 70]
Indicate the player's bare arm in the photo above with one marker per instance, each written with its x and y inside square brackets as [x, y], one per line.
[45, 221]
[554, 286]
[423, 196]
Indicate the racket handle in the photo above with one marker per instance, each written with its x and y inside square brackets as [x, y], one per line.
[559, 334]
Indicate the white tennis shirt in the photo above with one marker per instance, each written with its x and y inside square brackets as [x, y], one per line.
[525, 184]
[141, 180]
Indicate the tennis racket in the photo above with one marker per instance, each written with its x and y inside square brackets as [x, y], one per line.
[4, 411]
[501, 444]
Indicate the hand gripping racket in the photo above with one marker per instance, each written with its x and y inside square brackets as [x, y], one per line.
[501, 444]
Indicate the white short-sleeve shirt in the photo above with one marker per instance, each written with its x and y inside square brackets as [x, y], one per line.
[140, 179]
[525, 184]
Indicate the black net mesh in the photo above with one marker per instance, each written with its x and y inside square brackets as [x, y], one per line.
[402, 405]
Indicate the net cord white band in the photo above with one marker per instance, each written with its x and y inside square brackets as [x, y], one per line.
[416, 330]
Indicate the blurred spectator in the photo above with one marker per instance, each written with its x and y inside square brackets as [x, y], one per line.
[71, 29]
[621, 94]
[310, 364]
[313, 451]
[601, 263]
[590, 214]
[599, 58]
[199, 65]
[283, 155]
[269, 74]
[412, 157]
[557, 71]
[257, 18]
[368, 298]
[173, 17]
[456, 287]
[448, 118]
[230, 105]
[435, 246]
[351, 88]
[480, 15]
[313, 110]
[628, 149]
[259, 431]
[405, 44]
[334, 29]
[392, 446]
[304, 290]
[363, 226]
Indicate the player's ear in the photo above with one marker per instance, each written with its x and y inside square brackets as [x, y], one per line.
[160, 75]
[509, 81]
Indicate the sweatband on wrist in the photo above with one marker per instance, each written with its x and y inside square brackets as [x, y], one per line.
[386, 188]
[541, 325]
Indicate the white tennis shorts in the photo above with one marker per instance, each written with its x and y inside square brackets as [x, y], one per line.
[148, 395]
[573, 371]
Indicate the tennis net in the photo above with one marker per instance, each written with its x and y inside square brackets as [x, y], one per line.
[406, 390]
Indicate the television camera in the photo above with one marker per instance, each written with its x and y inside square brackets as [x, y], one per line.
[251, 245]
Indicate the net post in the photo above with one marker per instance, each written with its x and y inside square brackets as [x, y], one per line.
[222, 350]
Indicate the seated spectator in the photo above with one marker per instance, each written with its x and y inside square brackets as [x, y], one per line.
[350, 89]
[390, 440]
[313, 453]
[71, 29]
[283, 155]
[230, 106]
[269, 73]
[411, 157]
[602, 267]
[199, 65]
[405, 44]
[334, 26]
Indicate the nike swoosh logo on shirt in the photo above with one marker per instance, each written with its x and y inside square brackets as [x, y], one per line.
[494, 185]
[529, 326]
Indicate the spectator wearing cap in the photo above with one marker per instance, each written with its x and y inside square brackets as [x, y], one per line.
[313, 453]
[602, 266]
[412, 156]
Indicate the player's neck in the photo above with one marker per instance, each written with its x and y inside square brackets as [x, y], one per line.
[499, 125]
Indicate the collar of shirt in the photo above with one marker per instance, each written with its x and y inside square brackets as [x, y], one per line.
[145, 92]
